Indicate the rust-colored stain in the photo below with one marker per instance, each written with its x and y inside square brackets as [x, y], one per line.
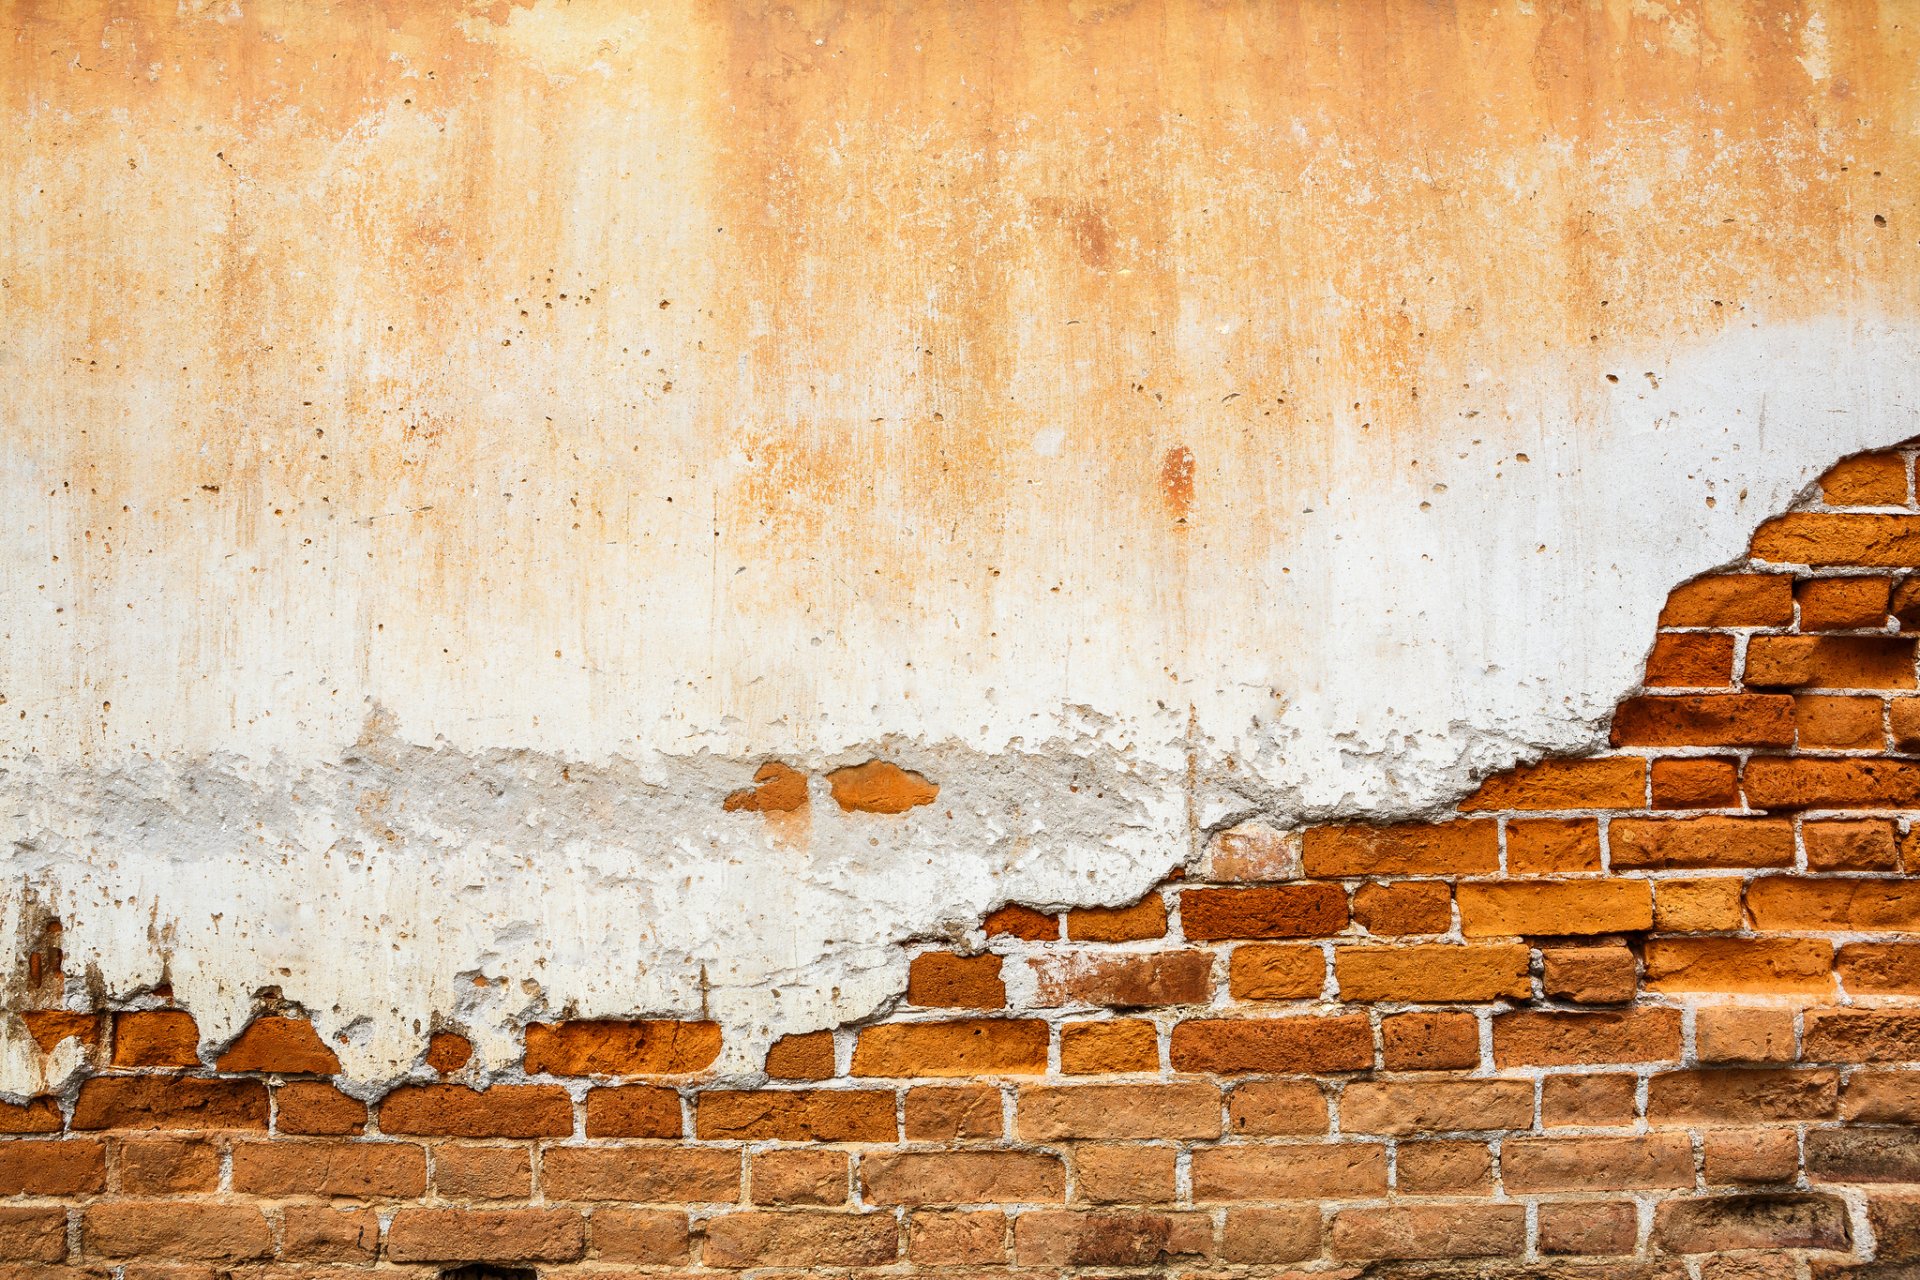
[778, 788]
[1176, 481]
[880, 787]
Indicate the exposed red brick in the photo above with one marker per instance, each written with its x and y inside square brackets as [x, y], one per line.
[1429, 1041]
[1751, 1222]
[1118, 1045]
[1596, 1164]
[1613, 783]
[1774, 782]
[809, 1178]
[1541, 1039]
[802, 1057]
[1731, 600]
[1266, 1108]
[447, 1052]
[943, 1113]
[1830, 662]
[1843, 604]
[1102, 1239]
[1542, 846]
[1308, 1171]
[175, 1231]
[463, 1172]
[1704, 720]
[659, 1237]
[648, 1048]
[1280, 911]
[1796, 903]
[284, 1046]
[1124, 979]
[1866, 480]
[1434, 973]
[1554, 907]
[1667, 844]
[1840, 722]
[1868, 844]
[1760, 965]
[1429, 1231]
[963, 1177]
[310, 1107]
[1285, 971]
[1736, 1097]
[796, 1115]
[880, 787]
[1230, 1045]
[1399, 1108]
[1690, 660]
[804, 1238]
[1146, 918]
[493, 1235]
[454, 1111]
[1052, 1114]
[940, 979]
[1443, 848]
[1123, 1173]
[950, 1238]
[1015, 921]
[34, 1167]
[633, 1111]
[170, 1102]
[1589, 975]
[362, 1170]
[157, 1038]
[158, 1166]
[1818, 538]
[1685, 783]
[963, 1047]
[642, 1174]
[1404, 907]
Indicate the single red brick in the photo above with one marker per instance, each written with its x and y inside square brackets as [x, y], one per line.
[1280, 911]
[1588, 1101]
[1146, 918]
[633, 1111]
[1867, 844]
[1015, 921]
[962, 1177]
[1415, 1232]
[1541, 846]
[1280, 1045]
[800, 1177]
[1542, 1039]
[1880, 968]
[1727, 1034]
[361, 1170]
[646, 1175]
[944, 1113]
[157, 1038]
[1118, 1045]
[1589, 975]
[957, 1237]
[1516, 908]
[1432, 973]
[497, 1235]
[320, 1233]
[1666, 844]
[1264, 1108]
[801, 1238]
[284, 1046]
[1596, 1164]
[170, 1102]
[1079, 1238]
[1866, 480]
[802, 1057]
[175, 1231]
[1255, 851]
[1843, 604]
[1302, 1171]
[1267, 1236]
[39, 1115]
[76, 1166]
[1751, 1155]
[164, 1166]
[655, 1236]
[1715, 1223]
[32, 1235]
[49, 1027]
[1839, 722]
[940, 979]
[317, 1109]
[1129, 1173]
[1690, 660]
[962, 1047]
[1691, 784]
[1766, 966]
[1773, 782]
[1418, 848]
[1731, 600]
[1830, 662]
[1429, 1041]
[1053, 1114]
[1287, 971]
[1608, 783]
[603, 1047]
[796, 1115]
[1704, 720]
[1404, 907]
[1847, 905]
[482, 1173]
[1820, 538]
[1606, 1227]
[1859, 1035]
[1399, 1108]
[454, 1111]
[1738, 1096]
[1123, 979]
[447, 1052]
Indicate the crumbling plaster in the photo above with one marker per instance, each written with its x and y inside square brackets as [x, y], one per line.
[450, 449]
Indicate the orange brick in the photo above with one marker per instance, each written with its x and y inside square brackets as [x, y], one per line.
[1254, 851]
[808, 1056]
[963, 1047]
[1452, 1168]
[1859, 1035]
[448, 1052]
[64, 1168]
[654, 1236]
[1771, 1221]
[943, 1113]
[1016, 921]
[657, 1175]
[1818, 538]
[164, 1166]
[1588, 1101]
[957, 1237]
[1690, 784]
[1278, 972]
[451, 1235]
[40, 1115]
[1280, 911]
[482, 1173]
[1727, 1034]
[1667, 844]
[1793, 783]
[1589, 975]
[1696, 906]
[1542, 1039]
[1703, 720]
[1882, 1097]
[1277, 1045]
[175, 1230]
[454, 1111]
[49, 1027]
[1429, 1041]
[1266, 1236]
[796, 1115]
[1867, 844]
[1107, 1239]
[1903, 719]
[939, 979]
[1107, 1111]
[1611, 783]
[1866, 480]
[1596, 1164]
[1741, 1096]
[1430, 1231]
[320, 1233]
[160, 1038]
[361, 1170]
[1841, 905]
[1270, 1108]
[36, 1234]
[1404, 907]
[1096, 1048]
[1123, 979]
[633, 1111]
[1307, 1171]
[1593, 1228]
[1690, 660]
[1839, 722]
[1880, 968]
[1830, 662]
[1123, 1174]
[1540, 846]
[963, 1177]
[1758, 965]
[1421, 848]
[1433, 973]
[161, 1102]
[1397, 1108]
[800, 1177]
[1843, 604]
[806, 1238]
[1547, 907]
[1731, 600]
[1146, 918]
[284, 1046]
[603, 1047]
[1751, 1156]
[314, 1108]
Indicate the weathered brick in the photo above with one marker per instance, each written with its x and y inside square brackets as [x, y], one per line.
[1830, 662]
[1549, 907]
[1690, 660]
[37, 1115]
[1589, 975]
[1276, 971]
[1542, 1039]
[1429, 1041]
[284, 1046]
[482, 1173]
[1751, 1156]
[1866, 480]
[647, 1175]
[1903, 714]
[1435, 1106]
[1291, 1171]
[1773, 782]
[1731, 600]
[175, 1231]
[1255, 851]
[1256, 1237]
[1858, 1035]
[1610, 783]
[633, 1111]
[1759, 965]
[1123, 1174]
[1882, 1097]
[1603, 1228]
[170, 1102]
[963, 1177]
[1880, 968]
[1404, 907]
[1123, 980]
[1016, 921]
[655, 1236]
[489, 1235]
[1430, 1231]
[602, 1047]
[962, 1047]
[1444, 1168]
[1080, 1238]
[1863, 1155]
[1601, 1101]
[1688, 783]
[796, 1115]
[1528, 1165]
[1101, 1048]
[376, 1170]
[1751, 1222]
[1225, 1045]
[1839, 722]
[33, 1234]
[788, 1178]
[806, 1238]
[1896, 1227]
[455, 1111]
[447, 1052]
[1704, 720]
[1840, 905]
[1411, 849]
[155, 1038]
[957, 1237]
[808, 1056]
[1865, 844]
[1820, 538]
[1277, 911]
[1146, 918]
[316, 1109]
[1432, 972]
[154, 1166]
[1697, 906]
[1268, 1108]
[321, 1233]
[942, 980]
[1668, 844]
[1743, 1035]
[52, 1168]
[942, 1113]
[1050, 1114]
[1542, 846]
[1731, 1097]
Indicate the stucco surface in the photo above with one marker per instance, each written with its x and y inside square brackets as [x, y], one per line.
[448, 449]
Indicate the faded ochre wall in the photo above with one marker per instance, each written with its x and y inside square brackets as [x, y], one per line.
[448, 449]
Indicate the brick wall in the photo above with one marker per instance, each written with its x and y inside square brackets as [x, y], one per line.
[1646, 1013]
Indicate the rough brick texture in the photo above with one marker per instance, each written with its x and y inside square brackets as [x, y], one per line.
[1647, 1013]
